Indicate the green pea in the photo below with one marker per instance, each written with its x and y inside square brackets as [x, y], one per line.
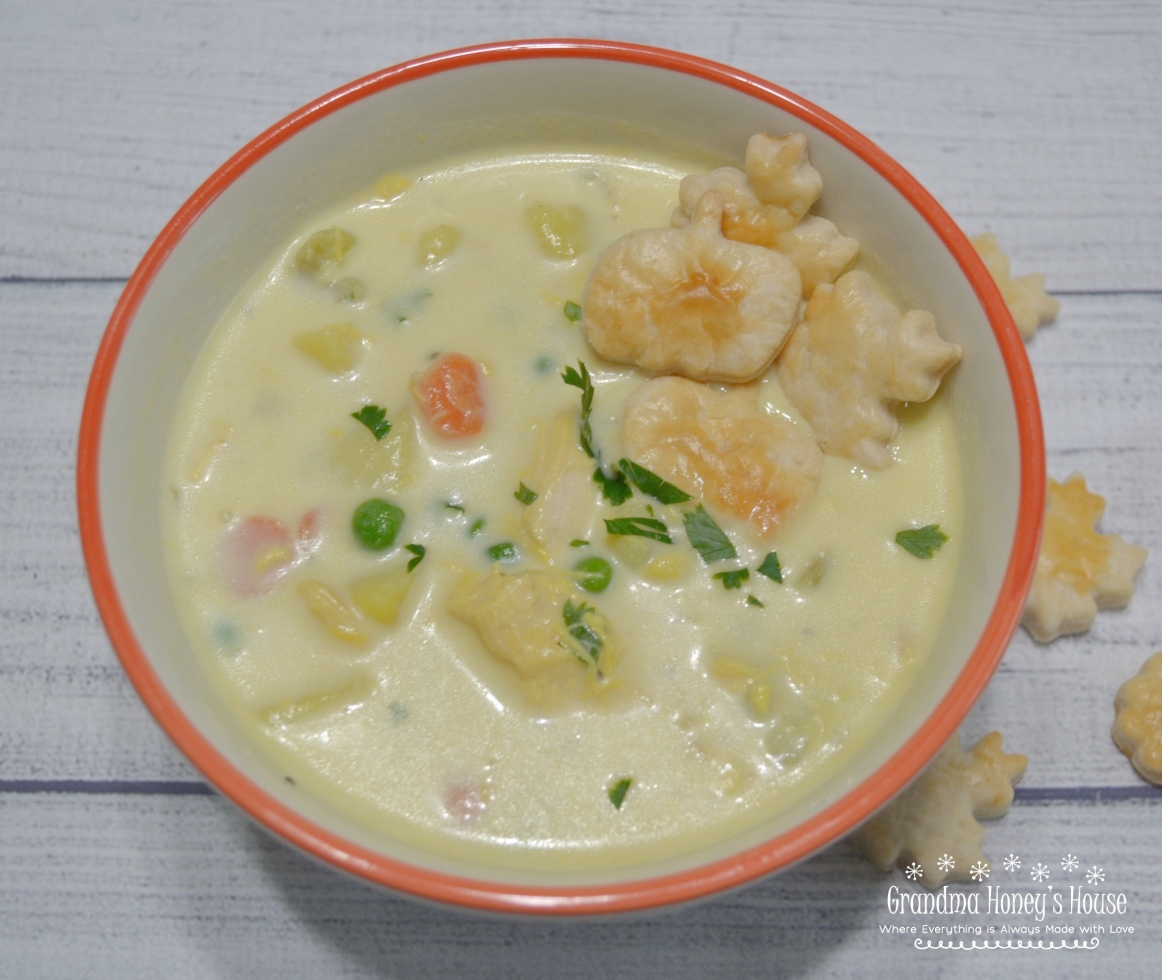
[376, 522]
[595, 574]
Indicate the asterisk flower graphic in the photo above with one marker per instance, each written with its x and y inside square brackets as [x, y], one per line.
[979, 871]
[1094, 875]
[1069, 863]
[1039, 872]
[1012, 863]
[946, 863]
[914, 871]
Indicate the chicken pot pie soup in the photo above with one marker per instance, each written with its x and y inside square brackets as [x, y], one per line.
[483, 554]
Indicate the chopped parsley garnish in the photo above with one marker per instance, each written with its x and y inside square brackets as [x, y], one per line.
[732, 579]
[618, 791]
[451, 506]
[650, 483]
[419, 551]
[595, 574]
[572, 310]
[398, 712]
[642, 527]
[752, 601]
[581, 380]
[525, 495]
[580, 630]
[613, 488]
[505, 551]
[476, 528]
[923, 542]
[578, 543]
[706, 537]
[771, 568]
[375, 418]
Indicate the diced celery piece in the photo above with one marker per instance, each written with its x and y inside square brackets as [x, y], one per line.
[437, 244]
[324, 250]
[560, 229]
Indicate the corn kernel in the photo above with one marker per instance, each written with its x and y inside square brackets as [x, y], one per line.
[666, 568]
[390, 187]
[338, 618]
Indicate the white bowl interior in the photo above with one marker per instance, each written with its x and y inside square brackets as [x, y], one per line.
[504, 104]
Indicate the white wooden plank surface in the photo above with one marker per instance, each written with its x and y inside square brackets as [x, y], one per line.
[1038, 120]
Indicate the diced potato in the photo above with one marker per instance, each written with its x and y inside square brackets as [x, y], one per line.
[386, 464]
[390, 187]
[560, 229]
[317, 705]
[337, 347]
[437, 244]
[381, 596]
[320, 254]
[338, 618]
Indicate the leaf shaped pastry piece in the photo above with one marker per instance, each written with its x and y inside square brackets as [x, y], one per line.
[1025, 296]
[1079, 571]
[768, 206]
[1137, 728]
[934, 821]
[689, 301]
[722, 448]
[851, 358]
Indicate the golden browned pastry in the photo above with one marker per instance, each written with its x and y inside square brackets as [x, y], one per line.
[1078, 571]
[722, 448]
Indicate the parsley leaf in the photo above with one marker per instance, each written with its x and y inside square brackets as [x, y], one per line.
[525, 495]
[375, 418]
[771, 568]
[580, 630]
[581, 380]
[451, 506]
[706, 537]
[578, 543]
[732, 579]
[505, 551]
[922, 542]
[752, 601]
[642, 527]
[613, 488]
[476, 528]
[419, 551]
[652, 484]
[573, 310]
[617, 792]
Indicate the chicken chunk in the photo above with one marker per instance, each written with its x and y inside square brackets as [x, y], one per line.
[538, 623]
[852, 358]
[689, 301]
[722, 448]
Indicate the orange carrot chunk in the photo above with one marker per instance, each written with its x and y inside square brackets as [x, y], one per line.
[451, 396]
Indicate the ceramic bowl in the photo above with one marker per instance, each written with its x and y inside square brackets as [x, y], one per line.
[502, 94]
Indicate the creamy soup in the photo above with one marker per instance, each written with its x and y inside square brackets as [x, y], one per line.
[340, 490]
